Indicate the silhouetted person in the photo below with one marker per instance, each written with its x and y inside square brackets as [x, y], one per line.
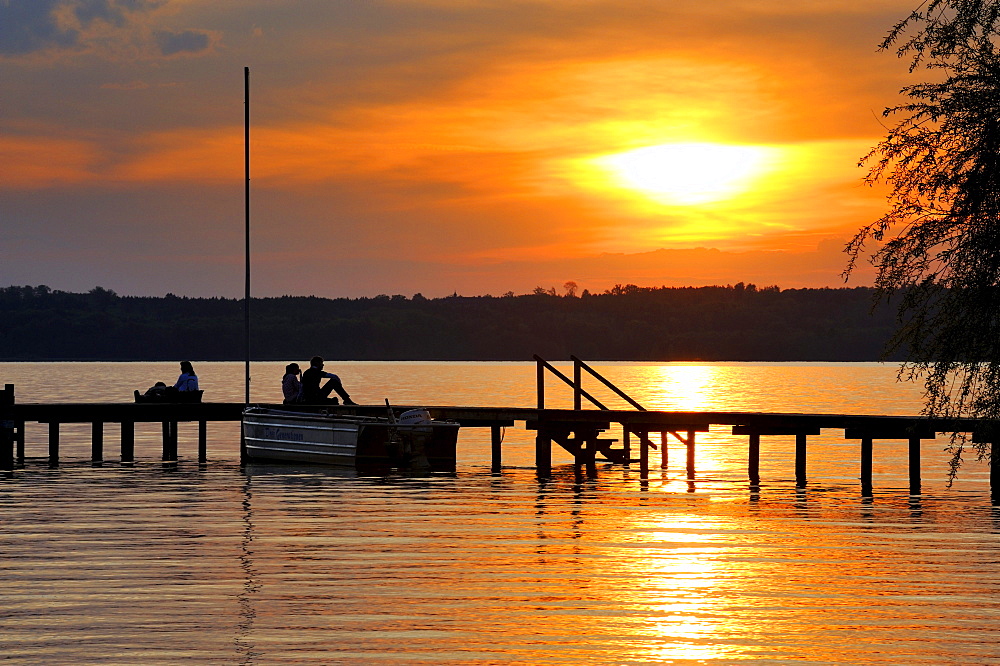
[157, 391]
[291, 385]
[313, 393]
[188, 381]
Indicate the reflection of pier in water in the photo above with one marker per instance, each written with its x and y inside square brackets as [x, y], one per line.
[581, 432]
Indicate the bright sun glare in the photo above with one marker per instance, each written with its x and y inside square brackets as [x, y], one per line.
[685, 174]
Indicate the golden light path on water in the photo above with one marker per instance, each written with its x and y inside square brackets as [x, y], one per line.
[682, 571]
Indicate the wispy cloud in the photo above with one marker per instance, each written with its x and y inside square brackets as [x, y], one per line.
[184, 42]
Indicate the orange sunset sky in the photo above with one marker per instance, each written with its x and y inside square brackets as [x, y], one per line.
[438, 146]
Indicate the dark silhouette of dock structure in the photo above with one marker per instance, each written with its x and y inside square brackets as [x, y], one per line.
[583, 433]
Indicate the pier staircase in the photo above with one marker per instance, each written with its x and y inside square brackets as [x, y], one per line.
[584, 439]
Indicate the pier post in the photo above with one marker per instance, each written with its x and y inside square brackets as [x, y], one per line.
[173, 440]
[627, 444]
[914, 458]
[584, 451]
[590, 457]
[543, 454]
[54, 443]
[19, 440]
[995, 472]
[166, 441]
[866, 466]
[7, 428]
[6, 447]
[689, 443]
[128, 441]
[202, 441]
[643, 455]
[753, 460]
[97, 442]
[496, 449]
[800, 460]
[169, 441]
[663, 450]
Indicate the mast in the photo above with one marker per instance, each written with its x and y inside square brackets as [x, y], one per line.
[246, 161]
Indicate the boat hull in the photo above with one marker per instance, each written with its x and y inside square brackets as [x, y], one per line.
[363, 443]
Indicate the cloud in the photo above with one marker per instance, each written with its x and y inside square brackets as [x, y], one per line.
[39, 162]
[32, 25]
[131, 85]
[187, 41]
[109, 11]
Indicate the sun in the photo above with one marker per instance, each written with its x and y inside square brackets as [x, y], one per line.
[686, 174]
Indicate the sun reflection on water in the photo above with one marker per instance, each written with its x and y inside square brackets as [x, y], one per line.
[687, 388]
[680, 570]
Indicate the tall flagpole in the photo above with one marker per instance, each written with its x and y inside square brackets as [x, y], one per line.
[246, 160]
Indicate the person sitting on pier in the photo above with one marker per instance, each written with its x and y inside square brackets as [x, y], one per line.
[188, 381]
[157, 391]
[313, 393]
[291, 386]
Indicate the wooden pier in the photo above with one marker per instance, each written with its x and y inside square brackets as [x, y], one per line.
[581, 432]
[14, 416]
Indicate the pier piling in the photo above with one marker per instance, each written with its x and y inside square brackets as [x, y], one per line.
[6, 450]
[995, 471]
[800, 460]
[202, 441]
[53, 443]
[753, 459]
[543, 454]
[97, 442]
[914, 464]
[169, 441]
[496, 449]
[689, 444]
[19, 440]
[7, 428]
[128, 442]
[866, 466]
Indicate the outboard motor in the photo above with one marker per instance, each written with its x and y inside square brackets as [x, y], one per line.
[415, 430]
[415, 417]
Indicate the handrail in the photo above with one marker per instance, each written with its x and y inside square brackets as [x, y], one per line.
[543, 365]
[577, 363]
[577, 384]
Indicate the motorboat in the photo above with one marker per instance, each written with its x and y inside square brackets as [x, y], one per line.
[413, 441]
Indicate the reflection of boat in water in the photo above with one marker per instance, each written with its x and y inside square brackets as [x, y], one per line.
[414, 442]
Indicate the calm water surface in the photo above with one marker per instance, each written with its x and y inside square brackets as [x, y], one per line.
[169, 564]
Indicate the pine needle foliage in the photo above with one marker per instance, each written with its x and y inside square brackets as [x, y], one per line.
[937, 248]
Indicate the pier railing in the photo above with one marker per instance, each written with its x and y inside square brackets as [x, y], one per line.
[585, 443]
[577, 383]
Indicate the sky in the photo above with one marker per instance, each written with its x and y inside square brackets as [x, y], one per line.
[439, 146]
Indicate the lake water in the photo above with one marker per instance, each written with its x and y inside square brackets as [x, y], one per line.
[188, 563]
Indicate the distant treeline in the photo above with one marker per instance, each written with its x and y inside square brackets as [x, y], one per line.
[735, 322]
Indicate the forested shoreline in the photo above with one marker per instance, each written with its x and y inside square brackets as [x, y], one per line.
[720, 323]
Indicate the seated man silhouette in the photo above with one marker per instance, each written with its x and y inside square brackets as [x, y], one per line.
[313, 393]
